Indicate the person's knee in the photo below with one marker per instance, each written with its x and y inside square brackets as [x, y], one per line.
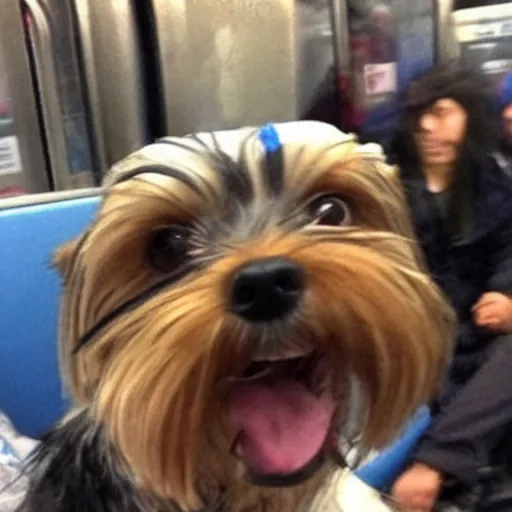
[503, 343]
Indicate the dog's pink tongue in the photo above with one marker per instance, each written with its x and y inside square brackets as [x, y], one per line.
[281, 426]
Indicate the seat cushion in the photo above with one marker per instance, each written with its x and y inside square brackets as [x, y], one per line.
[31, 393]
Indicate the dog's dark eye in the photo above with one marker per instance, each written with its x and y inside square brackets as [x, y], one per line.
[329, 210]
[168, 248]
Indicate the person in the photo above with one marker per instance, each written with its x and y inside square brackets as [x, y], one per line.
[461, 204]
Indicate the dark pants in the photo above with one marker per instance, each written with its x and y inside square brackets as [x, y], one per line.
[482, 412]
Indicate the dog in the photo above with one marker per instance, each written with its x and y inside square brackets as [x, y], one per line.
[244, 303]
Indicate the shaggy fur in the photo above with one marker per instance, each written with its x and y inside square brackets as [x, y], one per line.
[152, 353]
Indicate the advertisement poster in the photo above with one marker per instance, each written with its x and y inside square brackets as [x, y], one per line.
[390, 42]
[10, 159]
[484, 37]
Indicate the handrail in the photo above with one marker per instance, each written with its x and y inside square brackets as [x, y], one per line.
[113, 65]
[84, 29]
[43, 51]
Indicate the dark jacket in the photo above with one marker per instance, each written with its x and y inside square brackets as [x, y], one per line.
[469, 267]
[465, 269]
[503, 155]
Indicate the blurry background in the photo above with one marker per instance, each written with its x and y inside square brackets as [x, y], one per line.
[85, 82]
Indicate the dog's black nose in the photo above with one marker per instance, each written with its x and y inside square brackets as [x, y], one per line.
[266, 289]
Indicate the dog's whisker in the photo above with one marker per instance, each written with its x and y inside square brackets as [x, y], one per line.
[262, 373]
[294, 215]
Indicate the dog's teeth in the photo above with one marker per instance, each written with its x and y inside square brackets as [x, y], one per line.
[295, 354]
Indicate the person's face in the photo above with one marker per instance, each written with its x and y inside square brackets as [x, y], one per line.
[440, 130]
[506, 117]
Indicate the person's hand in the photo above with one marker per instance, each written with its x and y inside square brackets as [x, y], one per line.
[417, 489]
[493, 312]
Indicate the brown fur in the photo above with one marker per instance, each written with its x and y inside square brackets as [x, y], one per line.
[158, 377]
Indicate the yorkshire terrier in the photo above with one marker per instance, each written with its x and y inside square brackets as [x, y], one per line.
[243, 303]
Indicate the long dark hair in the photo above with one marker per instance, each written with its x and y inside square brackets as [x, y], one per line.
[472, 91]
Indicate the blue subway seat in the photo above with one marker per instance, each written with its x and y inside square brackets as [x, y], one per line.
[31, 393]
[381, 472]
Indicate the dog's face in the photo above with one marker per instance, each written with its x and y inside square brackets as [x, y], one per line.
[232, 292]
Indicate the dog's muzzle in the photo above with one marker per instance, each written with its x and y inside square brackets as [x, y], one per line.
[282, 421]
[266, 289]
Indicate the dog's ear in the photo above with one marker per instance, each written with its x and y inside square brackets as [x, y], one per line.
[393, 171]
[63, 257]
